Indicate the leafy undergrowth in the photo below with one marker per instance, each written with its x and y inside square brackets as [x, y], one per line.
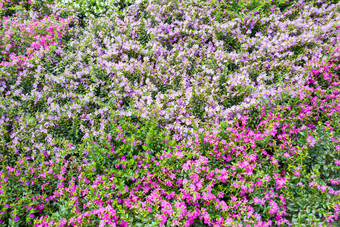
[169, 113]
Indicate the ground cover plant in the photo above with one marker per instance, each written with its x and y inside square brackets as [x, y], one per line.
[169, 113]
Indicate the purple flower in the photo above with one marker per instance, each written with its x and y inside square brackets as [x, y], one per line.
[311, 141]
[6, 206]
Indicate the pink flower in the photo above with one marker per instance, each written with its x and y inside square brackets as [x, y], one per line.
[62, 222]
[229, 221]
[311, 141]
[175, 222]
[323, 188]
[172, 176]
[267, 178]
[224, 206]
[186, 166]
[297, 173]
[162, 219]
[286, 155]
[281, 182]
[257, 200]
[185, 181]
[206, 216]
[236, 185]
[337, 162]
[311, 184]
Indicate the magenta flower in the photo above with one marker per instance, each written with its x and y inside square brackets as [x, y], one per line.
[224, 206]
[62, 222]
[297, 173]
[162, 219]
[337, 162]
[323, 188]
[281, 182]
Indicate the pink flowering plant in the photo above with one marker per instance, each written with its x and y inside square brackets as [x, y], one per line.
[170, 113]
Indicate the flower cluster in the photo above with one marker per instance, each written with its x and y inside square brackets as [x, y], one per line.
[171, 113]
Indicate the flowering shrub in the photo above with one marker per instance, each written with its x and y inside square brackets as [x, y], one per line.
[10, 7]
[21, 39]
[6, 6]
[88, 8]
[169, 114]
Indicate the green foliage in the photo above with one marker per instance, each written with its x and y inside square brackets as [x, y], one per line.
[225, 10]
[11, 7]
[96, 8]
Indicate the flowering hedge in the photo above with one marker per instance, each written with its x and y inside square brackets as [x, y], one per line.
[170, 113]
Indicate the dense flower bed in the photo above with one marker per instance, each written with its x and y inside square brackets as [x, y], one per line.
[170, 113]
